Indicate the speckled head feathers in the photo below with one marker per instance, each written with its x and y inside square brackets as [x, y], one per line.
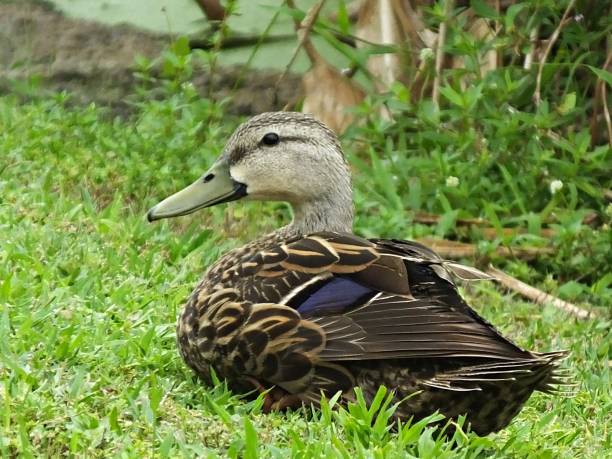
[292, 157]
[289, 126]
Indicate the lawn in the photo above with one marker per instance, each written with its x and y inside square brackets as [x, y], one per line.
[90, 292]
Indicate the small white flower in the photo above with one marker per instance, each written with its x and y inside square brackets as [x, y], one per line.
[426, 54]
[555, 186]
[452, 181]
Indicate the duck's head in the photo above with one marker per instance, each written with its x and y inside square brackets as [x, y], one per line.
[277, 156]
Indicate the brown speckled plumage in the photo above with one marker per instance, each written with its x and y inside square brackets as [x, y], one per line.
[313, 309]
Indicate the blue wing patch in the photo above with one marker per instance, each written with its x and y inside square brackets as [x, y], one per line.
[335, 297]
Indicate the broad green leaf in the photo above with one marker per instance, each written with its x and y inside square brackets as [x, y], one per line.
[452, 96]
[181, 46]
[512, 12]
[568, 104]
[602, 74]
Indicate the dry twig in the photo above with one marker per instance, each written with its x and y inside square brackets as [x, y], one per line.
[533, 40]
[455, 250]
[327, 92]
[537, 295]
[553, 38]
[387, 28]
[303, 29]
[410, 21]
[435, 94]
[432, 219]
[488, 231]
[427, 218]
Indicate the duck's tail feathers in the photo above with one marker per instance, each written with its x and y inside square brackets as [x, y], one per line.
[555, 379]
[541, 372]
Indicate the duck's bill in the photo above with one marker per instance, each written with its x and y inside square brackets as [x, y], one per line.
[214, 187]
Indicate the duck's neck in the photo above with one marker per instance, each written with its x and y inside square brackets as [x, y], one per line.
[327, 213]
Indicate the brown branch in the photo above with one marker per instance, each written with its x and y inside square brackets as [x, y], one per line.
[411, 24]
[431, 219]
[483, 225]
[427, 218]
[435, 94]
[492, 233]
[303, 29]
[455, 250]
[537, 295]
[237, 41]
[553, 38]
[213, 9]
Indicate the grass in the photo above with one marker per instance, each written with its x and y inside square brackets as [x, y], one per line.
[90, 292]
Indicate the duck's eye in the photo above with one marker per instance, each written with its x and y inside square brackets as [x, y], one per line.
[271, 138]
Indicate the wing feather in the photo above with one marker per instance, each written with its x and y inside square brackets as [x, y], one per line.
[375, 300]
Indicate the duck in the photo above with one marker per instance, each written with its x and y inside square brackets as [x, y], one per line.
[314, 310]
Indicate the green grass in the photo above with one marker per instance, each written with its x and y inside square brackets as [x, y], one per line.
[90, 292]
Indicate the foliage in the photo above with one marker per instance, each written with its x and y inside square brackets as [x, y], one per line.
[487, 150]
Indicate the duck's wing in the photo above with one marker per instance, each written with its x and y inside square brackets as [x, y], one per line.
[347, 299]
[381, 299]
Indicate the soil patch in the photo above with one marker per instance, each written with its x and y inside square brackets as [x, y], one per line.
[95, 62]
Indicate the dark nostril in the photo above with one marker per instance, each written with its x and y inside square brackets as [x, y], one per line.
[209, 177]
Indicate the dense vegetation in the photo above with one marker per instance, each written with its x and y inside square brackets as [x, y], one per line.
[89, 291]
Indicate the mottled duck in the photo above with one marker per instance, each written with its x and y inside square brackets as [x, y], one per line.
[313, 309]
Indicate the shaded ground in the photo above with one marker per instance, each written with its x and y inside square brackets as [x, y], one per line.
[95, 62]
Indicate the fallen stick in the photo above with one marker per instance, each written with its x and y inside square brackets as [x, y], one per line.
[536, 295]
[493, 233]
[431, 219]
[455, 250]
[490, 232]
